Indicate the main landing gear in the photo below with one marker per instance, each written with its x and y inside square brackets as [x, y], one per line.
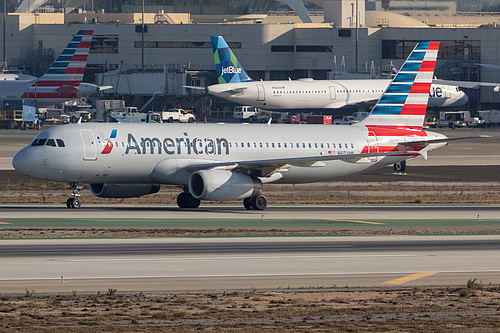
[400, 167]
[258, 202]
[74, 202]
[186, 200]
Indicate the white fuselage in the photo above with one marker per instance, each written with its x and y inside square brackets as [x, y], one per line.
[44, 96]
[322, 94]
[166, 153]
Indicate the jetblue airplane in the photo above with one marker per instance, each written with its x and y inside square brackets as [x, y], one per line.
[221, 162]
[62, 81]
[236, 86]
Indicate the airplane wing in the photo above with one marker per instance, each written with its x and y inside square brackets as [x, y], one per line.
[467, 84]
[267, 167]
[102, 88]
[66, 89]
[232, 91]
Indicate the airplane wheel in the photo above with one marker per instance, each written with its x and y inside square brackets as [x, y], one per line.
[247, 202]
[76, 203]
[73, 203]
[259, 202]
[186, 200]
[192, 201]
[400, 166]
[182, 200]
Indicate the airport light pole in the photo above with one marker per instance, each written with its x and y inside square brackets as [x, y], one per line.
[142, 39]
[4, 34]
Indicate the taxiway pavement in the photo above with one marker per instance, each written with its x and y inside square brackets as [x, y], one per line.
[176, 264]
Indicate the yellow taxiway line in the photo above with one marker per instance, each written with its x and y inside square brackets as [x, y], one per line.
[5, 223]
[354, 221]
[410, 277]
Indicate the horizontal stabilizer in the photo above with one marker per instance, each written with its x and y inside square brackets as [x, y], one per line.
[441, 140]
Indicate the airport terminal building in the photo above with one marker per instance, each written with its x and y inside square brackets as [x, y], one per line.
[173, 49]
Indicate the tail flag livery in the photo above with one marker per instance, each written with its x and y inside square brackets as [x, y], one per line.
[404, 103]
[66, 73]
[229, 70]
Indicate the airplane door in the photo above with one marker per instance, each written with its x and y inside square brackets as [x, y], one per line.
[372, 143]
[261, 93]
[447, 93]
[333, 93]
[89, 145]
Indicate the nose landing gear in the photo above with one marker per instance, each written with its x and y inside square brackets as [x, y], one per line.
[74, 202]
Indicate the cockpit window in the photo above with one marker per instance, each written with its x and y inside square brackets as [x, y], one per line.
[38, 142]
[60, 143]
[50, 142]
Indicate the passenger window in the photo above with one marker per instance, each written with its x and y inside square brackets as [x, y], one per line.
[284, 145]
[279, 145]
[60, 143]
[267, 144]
[50, 142]
[352, 145]
[321, 145]
[333, 145]
[310, 146]
[340, 145]
[272, 144]
[248, 144]
[315, 145]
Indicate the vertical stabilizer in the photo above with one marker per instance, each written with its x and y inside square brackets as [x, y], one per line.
[404, 103]
[229, 70]
[69, 67]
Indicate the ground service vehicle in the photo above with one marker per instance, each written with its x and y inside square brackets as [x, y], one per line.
[179, 115]
[345, 120]
[319, 119]
[490, 117]
[245, 113]
[18, 114]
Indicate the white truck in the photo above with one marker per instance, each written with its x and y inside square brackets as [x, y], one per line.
[345, 120]
[245, 113]
[490, 117]
[132, 116]
[179, 115]
[453, 119]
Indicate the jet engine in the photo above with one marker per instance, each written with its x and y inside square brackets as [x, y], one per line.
[218, 185]
[122, 190]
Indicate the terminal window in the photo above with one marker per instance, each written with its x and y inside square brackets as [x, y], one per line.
[463, 50]
[182, 45]
[104, 44]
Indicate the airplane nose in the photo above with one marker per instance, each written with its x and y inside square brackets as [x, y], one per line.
[22, 162]
[464, 99]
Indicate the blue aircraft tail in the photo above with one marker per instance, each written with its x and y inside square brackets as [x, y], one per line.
[229, 70]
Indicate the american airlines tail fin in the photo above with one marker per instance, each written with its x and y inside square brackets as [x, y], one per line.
[404, 103]
[68, 69]
[229, 70]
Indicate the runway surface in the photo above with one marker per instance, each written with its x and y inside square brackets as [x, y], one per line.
[176, 264]
[236, 212]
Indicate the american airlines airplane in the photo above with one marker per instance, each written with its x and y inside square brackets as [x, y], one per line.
[62, 81]
[221, 162]
[236, 86]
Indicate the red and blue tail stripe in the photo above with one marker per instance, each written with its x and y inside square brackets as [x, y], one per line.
[404, 103]
[69, 67]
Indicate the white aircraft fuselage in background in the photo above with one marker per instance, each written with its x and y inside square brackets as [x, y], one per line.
[323, 94]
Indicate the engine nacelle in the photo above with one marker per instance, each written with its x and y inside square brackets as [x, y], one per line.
[122, 190]
[218, 185]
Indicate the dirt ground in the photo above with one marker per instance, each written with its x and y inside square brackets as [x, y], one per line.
[472, 308]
